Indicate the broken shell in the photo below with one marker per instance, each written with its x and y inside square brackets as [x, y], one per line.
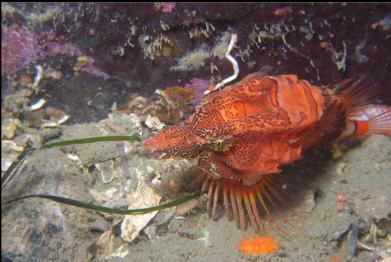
[143, 197]
[76, 159]
[106, 242]
[57, 117]
[38, 76]
[205, 238]
[131, 122]
[153, 122]
[41, 102]
[56, 123]
[106, 170]
[7, 161]
[121, 252]
[104, 196]
[9, 145]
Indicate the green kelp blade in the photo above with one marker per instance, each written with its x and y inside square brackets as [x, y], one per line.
[77, 203]
[92, 140]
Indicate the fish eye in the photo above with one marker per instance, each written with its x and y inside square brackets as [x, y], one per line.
[220, 145]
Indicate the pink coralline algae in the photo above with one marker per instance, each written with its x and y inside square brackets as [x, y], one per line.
[90, 68]
[20, 47]
[199, 85]
[282, 11]
[168, 7]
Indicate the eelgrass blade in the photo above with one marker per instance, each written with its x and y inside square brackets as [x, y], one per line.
[13, 169]
[92, 140]
[77, 203]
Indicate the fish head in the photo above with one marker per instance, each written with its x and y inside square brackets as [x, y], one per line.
[176, 141]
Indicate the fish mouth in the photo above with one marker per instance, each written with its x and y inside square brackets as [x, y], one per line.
[155, 152]
[159, 154]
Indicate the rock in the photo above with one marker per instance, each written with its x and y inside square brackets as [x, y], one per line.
[9, 127]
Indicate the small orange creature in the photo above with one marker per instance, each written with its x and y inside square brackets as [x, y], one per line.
[258, 245]
[245, 132]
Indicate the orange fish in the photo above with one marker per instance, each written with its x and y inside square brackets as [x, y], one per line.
[247, 131]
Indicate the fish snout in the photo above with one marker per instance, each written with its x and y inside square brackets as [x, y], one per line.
[153, 147]
[150, 144]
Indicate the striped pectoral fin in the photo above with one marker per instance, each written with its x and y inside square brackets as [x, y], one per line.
[245, 203]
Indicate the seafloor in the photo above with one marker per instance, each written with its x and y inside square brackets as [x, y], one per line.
[82, 70]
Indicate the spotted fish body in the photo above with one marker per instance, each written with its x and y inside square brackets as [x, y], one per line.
[263, 121]
[245, 132]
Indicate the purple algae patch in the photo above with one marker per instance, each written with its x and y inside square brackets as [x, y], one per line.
[199, 85]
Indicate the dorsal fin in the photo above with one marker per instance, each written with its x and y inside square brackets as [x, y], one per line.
[264, 71]
[356, 93]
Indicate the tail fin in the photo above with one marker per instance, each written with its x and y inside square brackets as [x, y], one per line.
[379, 124]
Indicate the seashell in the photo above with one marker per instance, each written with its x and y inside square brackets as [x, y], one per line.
[56, 123]
[38, 76]
[76, 159]
[154, 123]
[121, 252]
[106, 171]
[6, 162]
[41, 102]
[144, 196]
[57, 117]
[129, 122]
[9, 145]
[104, 196]
[106, 242]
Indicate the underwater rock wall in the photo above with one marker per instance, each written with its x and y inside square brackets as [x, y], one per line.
[166, 45]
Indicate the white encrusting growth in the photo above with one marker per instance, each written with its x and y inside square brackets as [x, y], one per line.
[235, 65]
[38, 76]
[41, 102]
